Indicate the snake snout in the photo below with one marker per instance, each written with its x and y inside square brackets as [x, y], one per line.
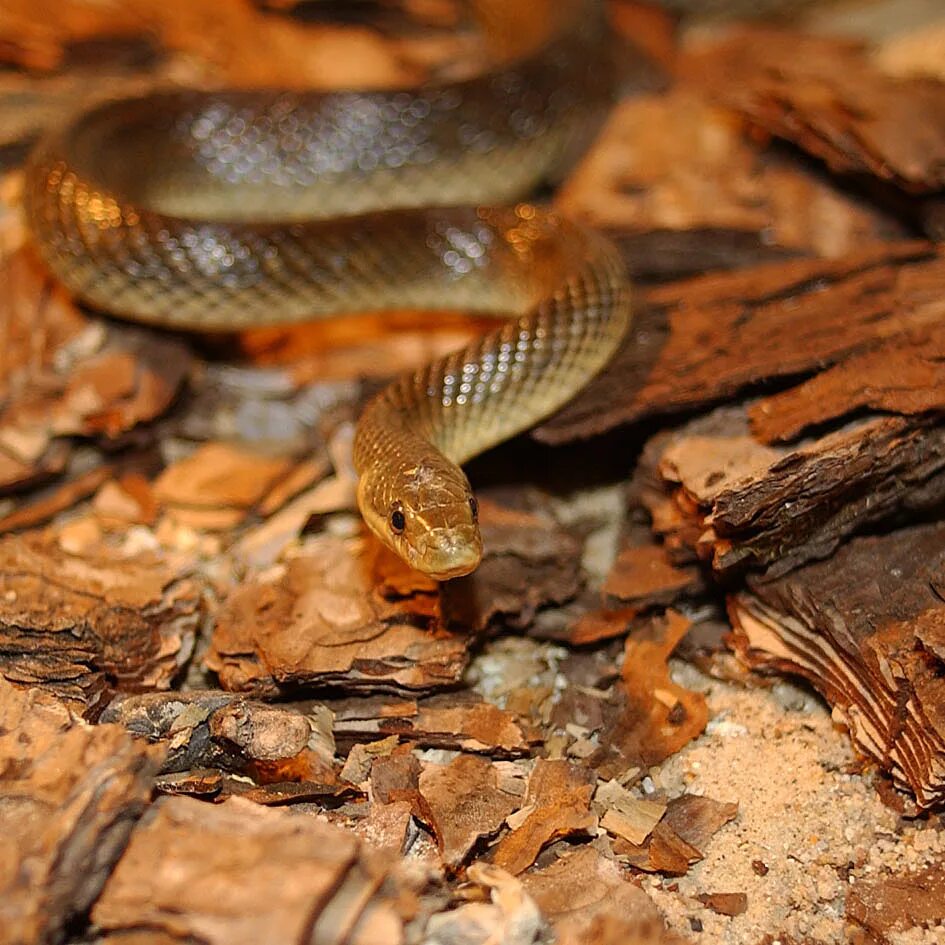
[450, 552]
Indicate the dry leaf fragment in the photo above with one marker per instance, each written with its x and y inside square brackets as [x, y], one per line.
[466, 802]
[556, 804]
[731, 904]
[584, 895]
[655, 716]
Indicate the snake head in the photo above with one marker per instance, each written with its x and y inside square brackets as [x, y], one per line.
[425, 513]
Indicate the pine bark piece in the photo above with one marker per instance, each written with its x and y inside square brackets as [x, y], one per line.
[466, 802]
[237, 42]
[557, 804]
[866, 628]
[59, 498]
[741, 503]
[824, 95]
[914, 899]
[675, 180]
[79, 626]
[220, 730]
[184, 875]
[326, 620]
[69, 796]
[130, 379]
[587, 898]
[698, 342]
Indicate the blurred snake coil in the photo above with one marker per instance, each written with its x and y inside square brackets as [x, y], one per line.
[226, 210]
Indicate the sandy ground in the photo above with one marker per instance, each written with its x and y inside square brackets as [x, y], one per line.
[817, 825]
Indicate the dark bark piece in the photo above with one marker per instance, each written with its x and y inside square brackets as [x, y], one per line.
[219, 730]
[466, 801]
[826, 96]
[326, 621]
[529, 563]
[588, 899]
[80, 626]
[676, 182]
[856, 626]
[698, 342]
[904, 375]
[185, 871]
[70, 794]
[741, 503]
[557, 802]
[914, 899]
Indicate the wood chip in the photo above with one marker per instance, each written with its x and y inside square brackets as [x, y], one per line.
[632, 818]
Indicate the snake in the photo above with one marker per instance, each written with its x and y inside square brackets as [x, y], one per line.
[230, 209]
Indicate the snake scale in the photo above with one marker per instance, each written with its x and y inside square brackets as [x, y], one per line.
[234, 209]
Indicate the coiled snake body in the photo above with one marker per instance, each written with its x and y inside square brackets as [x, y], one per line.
[228, 210]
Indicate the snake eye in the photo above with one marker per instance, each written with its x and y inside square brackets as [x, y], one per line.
[398, 521]
[474, 508]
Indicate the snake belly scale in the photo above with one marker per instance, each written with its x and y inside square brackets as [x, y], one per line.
[227, 210]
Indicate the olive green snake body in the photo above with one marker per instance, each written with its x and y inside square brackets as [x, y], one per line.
[235, 209]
